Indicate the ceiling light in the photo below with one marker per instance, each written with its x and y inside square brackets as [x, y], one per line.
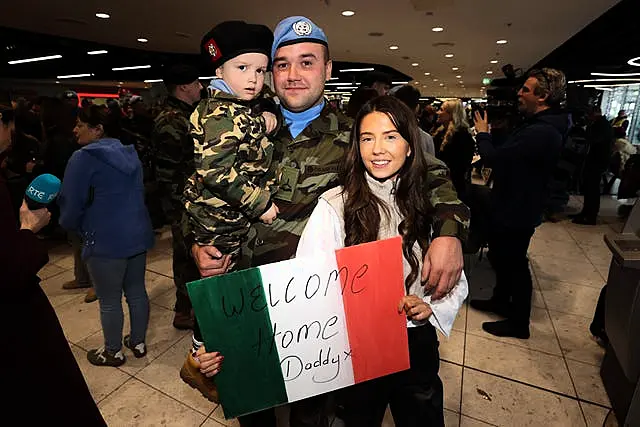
[96, 52]
[333, 78]
[458, 77]
[73, 76]
[121, 83]
[495, 61]
[399, 83]
[103, 15]
[614, 85]
[348, 13]
[502, 41]
[437, 29]
[39, 58]
[394, 47]
[460, 82]
[435, 80]
[57, 82]
[336, 84]
[603, 80]
[427, 74]
[441, 84]
[207, 78]
[416, 83]
[153, 81]
[355, 70]
[603, 88]
[634, 61]
[135, 67]
[415, 64]
[615, 75]
[142, 40]
[455, 68]
[347, 87]
[489, 72]
[449, 55]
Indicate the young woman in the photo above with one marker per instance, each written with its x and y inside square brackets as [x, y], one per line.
[384, 180]
[454, 144]
[102, 199]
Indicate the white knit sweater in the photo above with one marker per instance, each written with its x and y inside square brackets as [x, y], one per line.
[325, 233]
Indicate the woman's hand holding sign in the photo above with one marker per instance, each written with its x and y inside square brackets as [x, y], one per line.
[415, 308]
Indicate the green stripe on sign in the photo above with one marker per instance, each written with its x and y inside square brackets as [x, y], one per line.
[234, 319]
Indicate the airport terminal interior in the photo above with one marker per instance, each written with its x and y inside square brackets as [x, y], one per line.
[494, 75]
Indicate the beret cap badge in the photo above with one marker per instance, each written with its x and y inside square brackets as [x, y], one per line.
[302, 28]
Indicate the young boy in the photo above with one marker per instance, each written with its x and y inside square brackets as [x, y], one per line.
[233, 183]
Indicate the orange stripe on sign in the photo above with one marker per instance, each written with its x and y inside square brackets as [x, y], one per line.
[372, 287]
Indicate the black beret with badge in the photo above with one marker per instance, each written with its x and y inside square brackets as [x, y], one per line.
[233, 38]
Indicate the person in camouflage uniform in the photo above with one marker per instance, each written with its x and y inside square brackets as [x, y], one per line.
[173, 165]
[309, 153]
[233, 182]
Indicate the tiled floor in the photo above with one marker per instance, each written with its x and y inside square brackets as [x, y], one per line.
[552, 379]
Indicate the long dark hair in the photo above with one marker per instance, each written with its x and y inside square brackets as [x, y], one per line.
[362, 208]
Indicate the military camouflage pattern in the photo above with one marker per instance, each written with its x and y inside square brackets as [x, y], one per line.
[174, 155]
[316, 155]
[309, 164]
[451, 216]
[234, 178]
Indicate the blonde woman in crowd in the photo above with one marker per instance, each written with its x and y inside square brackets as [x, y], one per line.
[454, 144]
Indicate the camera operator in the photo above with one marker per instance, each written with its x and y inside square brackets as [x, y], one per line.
[522, 168]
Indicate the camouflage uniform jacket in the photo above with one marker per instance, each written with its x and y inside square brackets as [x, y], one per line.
[233, 160]
[309, 165]
[174, 154]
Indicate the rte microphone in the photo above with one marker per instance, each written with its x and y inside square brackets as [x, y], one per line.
[42, 191]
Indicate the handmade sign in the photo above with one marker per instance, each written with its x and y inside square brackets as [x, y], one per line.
[306, 326]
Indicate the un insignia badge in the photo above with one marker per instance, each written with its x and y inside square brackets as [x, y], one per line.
[302, 28]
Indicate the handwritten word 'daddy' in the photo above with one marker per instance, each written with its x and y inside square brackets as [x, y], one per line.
[293, 366]
[293, 289]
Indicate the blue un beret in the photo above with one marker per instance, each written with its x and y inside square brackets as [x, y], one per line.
[296, 29]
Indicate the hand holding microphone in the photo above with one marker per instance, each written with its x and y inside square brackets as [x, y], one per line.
[42, 191]
[33, 213]
[33, 220]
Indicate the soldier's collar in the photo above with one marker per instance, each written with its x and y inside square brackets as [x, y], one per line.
[326, 122]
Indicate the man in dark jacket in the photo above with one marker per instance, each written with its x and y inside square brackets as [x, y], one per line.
[522, 167]
[174, 165]
[600, 139]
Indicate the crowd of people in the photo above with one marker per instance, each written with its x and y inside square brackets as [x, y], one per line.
[243, 181]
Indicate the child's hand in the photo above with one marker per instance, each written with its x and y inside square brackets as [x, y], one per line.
[270, 121]
[269, 216]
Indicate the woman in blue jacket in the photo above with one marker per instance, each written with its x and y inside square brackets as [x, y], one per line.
[102, 199]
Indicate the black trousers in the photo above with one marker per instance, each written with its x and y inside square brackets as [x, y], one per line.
[591, 177]
[311, 412]
[415, 396]
[184, 270]
[513, 289]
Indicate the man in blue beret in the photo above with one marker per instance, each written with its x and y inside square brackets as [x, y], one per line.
[309, 149]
